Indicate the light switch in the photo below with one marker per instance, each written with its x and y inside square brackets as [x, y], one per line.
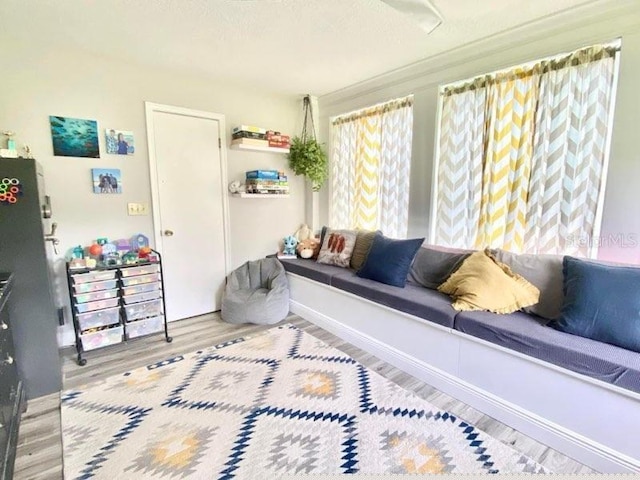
[138, 208]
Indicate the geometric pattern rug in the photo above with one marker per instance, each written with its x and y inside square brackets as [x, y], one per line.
[279, 403]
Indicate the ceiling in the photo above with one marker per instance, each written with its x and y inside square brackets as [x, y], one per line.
[286, 46]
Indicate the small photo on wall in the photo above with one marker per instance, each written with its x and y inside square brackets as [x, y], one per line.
[74, 137]
[106, 180]
[119, 142]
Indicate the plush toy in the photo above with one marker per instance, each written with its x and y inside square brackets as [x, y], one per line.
[303, 233]
[308, 248]
[290, 243]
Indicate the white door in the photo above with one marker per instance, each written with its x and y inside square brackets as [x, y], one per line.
[189, 215]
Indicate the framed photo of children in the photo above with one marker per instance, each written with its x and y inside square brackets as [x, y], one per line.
[119, 142]
[106, 180]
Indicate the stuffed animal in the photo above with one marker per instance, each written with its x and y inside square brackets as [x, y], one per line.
[290, 243]
[303, 233]
[308, 248]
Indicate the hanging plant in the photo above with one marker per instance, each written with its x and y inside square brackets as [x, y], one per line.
[306, 156]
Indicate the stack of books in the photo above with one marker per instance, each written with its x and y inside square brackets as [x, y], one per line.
[266, 181]
[258, 137]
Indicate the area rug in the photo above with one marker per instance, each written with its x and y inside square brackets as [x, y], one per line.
[282, 402]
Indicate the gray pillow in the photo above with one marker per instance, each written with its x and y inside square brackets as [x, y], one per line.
[431, 267]
[543, 271]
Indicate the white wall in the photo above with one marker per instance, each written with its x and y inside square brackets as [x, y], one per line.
[570, 30]
[36, 83]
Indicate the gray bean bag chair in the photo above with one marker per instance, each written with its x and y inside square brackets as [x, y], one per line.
[256, 292]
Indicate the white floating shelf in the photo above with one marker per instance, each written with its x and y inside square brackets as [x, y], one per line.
[260, 195]
[256, 148]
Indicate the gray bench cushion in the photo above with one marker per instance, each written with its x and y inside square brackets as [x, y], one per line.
[527, 334]
[311, 269]
[416, 300]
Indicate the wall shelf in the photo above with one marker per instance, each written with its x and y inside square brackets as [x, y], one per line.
[255, 148]
[260, 195]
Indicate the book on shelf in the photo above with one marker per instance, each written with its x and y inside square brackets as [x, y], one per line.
[245, 134]
[249, 128]
[286, 256]
[267, 181]
[254, 142]
[264, 174]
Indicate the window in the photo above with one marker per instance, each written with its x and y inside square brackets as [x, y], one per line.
[370, 167]
[521, 155]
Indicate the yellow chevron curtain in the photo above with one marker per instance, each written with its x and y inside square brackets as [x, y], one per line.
[370, 168]
[521, 155]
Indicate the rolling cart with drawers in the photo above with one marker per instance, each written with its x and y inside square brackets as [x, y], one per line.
[111, 305]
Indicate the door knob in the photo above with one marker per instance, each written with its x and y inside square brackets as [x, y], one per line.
[168, 233]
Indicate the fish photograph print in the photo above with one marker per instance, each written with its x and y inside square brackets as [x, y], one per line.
[119, 142]
[74, 137]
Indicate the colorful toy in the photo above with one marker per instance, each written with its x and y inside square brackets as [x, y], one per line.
[102, 241]
[122, 246]
[10, 190]
[77, 252]
[108, 249]
[95, 250]
[130, 258]
[138, 241]
[144, 252]
[308, 248]
[290, 243]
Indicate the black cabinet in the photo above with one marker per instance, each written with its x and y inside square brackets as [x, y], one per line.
[12, 399]
[115, 304]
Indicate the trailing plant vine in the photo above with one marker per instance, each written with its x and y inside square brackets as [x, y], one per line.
[306, 156]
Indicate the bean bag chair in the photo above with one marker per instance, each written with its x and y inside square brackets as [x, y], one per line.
[256, 292]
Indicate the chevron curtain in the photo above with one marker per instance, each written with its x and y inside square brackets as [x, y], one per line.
[370, 168]
[522, 155]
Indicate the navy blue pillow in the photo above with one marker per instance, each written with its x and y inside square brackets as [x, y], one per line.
[389, 260]
[601, 302]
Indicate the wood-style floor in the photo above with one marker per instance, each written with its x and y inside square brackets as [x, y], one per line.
[39, 454]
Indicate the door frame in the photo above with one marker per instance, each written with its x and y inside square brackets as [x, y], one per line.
[150, 109]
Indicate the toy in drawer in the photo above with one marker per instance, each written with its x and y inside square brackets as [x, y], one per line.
[145, 327]
[142, 288]
[154, 277]
[142, 297]
[94, 276]
[142, 310]
[94, 297]
[101, 338]
[88, 307]
[94, 286]
[100, 318]
[143, 270]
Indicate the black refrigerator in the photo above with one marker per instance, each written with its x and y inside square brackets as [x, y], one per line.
[26, 250]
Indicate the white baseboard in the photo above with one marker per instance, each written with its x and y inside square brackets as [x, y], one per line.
[583, 449]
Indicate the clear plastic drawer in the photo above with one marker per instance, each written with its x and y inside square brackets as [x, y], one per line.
[145, 327]
[94, 286]
[101, 338]
[110, 316]
[94, 297]
[94, 276]
[142, 297]
[142, 288]
[143, 270]
[88, 307]
[154, 277]
[142, 310]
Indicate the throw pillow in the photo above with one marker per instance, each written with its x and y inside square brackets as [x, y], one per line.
[389, 260]
[482, 283]
[601, 302]
[361, 249]
[337, 247]
[543, 271]
[433, 266]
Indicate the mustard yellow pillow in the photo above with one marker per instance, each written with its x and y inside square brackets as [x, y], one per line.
[483, 283]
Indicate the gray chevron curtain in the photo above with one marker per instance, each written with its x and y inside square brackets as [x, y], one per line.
[370, 168]
[560, 110]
